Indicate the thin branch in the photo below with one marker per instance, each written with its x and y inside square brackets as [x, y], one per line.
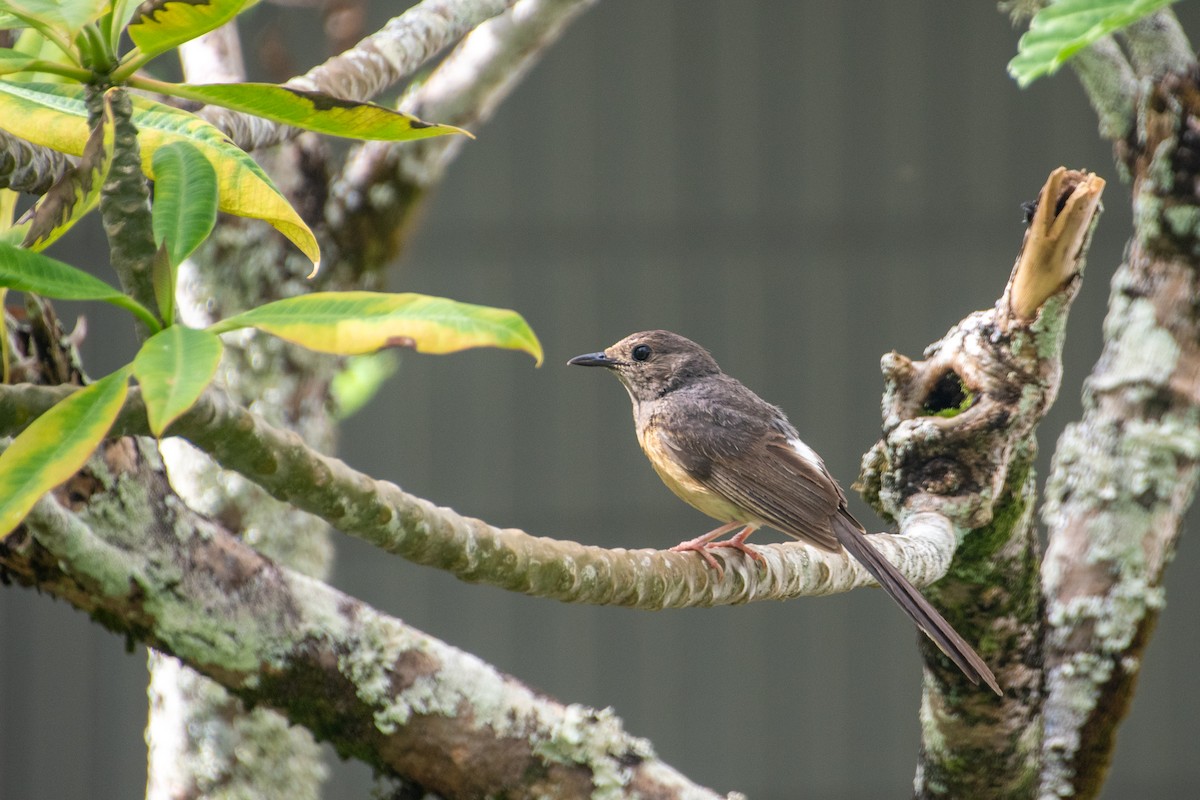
[377, 62]
[382, 514]
[384, 184]
[385, 693]
[1110, 84]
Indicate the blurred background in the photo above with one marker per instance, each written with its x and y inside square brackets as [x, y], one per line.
[799, 186]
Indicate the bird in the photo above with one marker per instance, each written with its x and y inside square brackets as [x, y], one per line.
[737, 458]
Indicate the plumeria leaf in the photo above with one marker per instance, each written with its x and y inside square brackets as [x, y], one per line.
[55, 116]
[74, 194]
[351, 323]
[56, 445]
[157, 26]
[65, 16]
[1061, 29]
[173, 367]
[312, 111]
[14, 61]
[185, 199]
[27, 271]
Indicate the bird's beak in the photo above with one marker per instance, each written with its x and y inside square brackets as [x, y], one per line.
[593, 360]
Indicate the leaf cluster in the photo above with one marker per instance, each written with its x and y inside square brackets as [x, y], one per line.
[66, 55]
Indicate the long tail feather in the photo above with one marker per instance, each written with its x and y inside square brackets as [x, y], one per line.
[852, 537]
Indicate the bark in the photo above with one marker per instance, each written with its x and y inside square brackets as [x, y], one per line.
[125, 202]
[959, 438]
[116, 543]
[1125, 474]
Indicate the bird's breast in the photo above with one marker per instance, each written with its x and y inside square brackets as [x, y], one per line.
[681, 482]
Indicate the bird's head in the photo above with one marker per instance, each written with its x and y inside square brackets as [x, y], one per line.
[652, 363]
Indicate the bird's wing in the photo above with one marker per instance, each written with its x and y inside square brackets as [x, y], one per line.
[774, 477]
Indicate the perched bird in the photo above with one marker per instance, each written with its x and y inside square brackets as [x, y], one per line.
[734, 456]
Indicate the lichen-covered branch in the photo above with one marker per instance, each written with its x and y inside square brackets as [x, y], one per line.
[1125, 473]
[1109, 72]
[1110, 85]
[959, 439]
[382, 184]
[377, 62]
[1157, 45]
[131, 555]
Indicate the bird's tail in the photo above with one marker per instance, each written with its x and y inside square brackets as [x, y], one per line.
[851, 536]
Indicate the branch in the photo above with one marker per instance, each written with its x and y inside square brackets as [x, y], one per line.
[1126, 472]
[959, 439]
[140, 562]
[1157, 45]
[1110, 85]
[125, 202]
[382, 514]
[27, 167]
[377, 62]
[383, 184]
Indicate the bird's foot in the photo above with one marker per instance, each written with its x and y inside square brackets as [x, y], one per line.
[694, 546]
[740, 545]
[703, 544]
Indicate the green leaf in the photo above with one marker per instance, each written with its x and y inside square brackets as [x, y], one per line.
[55, 116]
[160, 25]
[57, 445]
[14, 61]
[360, 379]
[65, 16]
[173, 367]
[74, 194]
[1061, 29]
[312, 111]
[351, 323]
[26, 271]
[162, 278]
[185, 199]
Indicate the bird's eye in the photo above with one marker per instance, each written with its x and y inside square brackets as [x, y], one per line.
[641, 352]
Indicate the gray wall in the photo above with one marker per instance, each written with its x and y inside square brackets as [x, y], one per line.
[801, 186]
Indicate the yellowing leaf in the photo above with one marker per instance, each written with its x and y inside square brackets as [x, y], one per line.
[159, 25]
[351, 323]
[312, 111]
[74, 194]
[56, 445]
[55, 116]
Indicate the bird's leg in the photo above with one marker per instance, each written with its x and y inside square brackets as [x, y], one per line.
[702, 544]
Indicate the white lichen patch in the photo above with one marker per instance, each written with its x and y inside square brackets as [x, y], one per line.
[1142, 351]
[596, 739]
